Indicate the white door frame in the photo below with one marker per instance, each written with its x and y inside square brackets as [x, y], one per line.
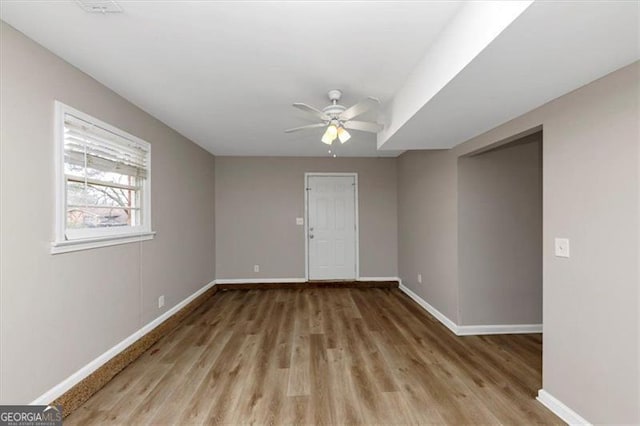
[306, 219]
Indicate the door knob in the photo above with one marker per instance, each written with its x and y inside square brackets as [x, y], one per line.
[310, 229]
[310, 236]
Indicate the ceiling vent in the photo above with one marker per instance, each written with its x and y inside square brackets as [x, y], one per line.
[100, 6]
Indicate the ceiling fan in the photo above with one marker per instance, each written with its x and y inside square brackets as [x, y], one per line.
[337, 118]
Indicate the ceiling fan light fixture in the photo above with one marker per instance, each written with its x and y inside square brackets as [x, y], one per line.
[343, 135]
[330, 134]
[337, 118]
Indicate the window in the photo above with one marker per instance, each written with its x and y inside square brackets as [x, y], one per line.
[103, 183]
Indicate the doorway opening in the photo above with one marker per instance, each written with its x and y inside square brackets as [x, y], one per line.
[500, 236]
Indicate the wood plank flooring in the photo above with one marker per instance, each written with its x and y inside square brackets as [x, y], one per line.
[323, 356]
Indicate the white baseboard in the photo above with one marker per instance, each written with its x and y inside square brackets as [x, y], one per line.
[433, 311]
[85, 371]
[471, 330]
[474, 330]
[378, 279]
[559, 409]
[258, 280]
[289, 280]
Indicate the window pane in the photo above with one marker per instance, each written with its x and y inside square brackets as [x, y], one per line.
[79, 194]
[73, 169]
[111, 177]
[75, 193]
[99, 217]
[114, 177]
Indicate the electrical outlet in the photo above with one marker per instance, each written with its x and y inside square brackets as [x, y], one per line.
[160, 301]
[256, 268]
[299, 221]
[420, 278]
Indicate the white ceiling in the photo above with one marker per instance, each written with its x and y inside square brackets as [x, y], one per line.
[551, 49]
[225, 73]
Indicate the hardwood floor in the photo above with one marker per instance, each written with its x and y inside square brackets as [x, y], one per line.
[332, 356]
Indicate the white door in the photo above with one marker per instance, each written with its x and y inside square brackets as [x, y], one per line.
[331, 227]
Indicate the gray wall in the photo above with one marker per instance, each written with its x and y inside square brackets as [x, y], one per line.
[258, 200]
[59, 312]
[591, 196]
[500, 234]
[427, 227]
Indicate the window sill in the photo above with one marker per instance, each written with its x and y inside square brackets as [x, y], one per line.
[67, 246]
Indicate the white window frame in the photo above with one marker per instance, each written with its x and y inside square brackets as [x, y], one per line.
[100, 237]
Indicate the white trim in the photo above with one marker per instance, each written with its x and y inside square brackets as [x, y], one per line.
[379, 279]
[259, 280]
[306, 230]
[290, 280]
[474, 330]
[560, 409]
[357, 223]
[433, 311]
[60, 183]
[91, 243]
[306, 219]
[85, 371]
[471, 330]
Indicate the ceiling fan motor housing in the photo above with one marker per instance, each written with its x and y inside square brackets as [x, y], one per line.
[334, 110]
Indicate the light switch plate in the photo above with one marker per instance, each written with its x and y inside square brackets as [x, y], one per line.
[299, 221]
[562, 247]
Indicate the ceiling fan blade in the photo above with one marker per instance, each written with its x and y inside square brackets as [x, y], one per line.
[313, 111]
[363, 126]
[308, 126]
[359, 108]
